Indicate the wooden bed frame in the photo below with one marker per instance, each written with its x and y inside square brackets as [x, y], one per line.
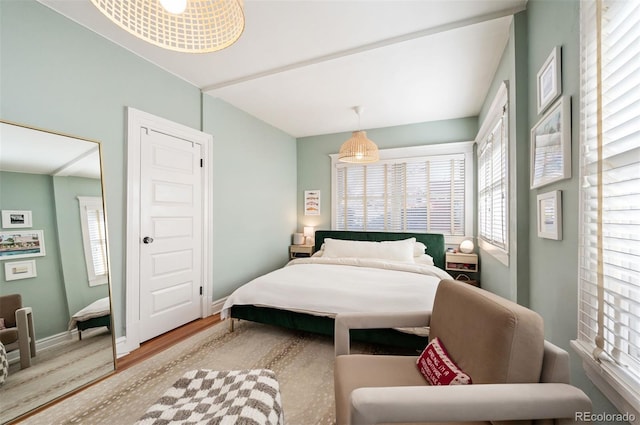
[325, 325]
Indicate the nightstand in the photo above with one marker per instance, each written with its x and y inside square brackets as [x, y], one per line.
[463, 267]
[297, 251]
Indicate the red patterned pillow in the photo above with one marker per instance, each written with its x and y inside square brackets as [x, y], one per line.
[437, 367]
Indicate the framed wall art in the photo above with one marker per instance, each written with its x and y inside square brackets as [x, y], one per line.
[15, 219]
[549, 80]
[21, 244]
[550, 215]
[551, 145]
[20, 270]
[311, 202]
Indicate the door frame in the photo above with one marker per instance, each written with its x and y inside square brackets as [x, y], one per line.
[136, 121]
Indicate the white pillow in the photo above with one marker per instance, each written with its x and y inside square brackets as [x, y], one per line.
[419, 249]
[424, 259]
[386, 250]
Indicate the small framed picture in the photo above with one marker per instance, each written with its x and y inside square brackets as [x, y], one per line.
[14, 219]
[551, 145]
[21, 243]
[550, 215]
[20, 270]
[311, 202]
[549, 80]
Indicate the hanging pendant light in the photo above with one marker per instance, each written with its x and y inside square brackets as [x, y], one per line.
[189, 26]
[359, 148]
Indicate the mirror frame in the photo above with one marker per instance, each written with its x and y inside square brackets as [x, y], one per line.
[80, 387]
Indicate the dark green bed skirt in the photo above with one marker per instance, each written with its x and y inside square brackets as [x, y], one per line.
[325, 326]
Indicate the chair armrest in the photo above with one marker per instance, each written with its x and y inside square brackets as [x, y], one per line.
[22, 314]
[346, 321]
[460, 403]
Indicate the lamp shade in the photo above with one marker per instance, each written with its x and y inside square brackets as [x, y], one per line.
[466, 246]
[204, 25]
[358, 149]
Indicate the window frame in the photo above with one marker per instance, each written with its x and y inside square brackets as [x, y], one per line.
[413, 152]
[93, 203]
[592, 342]
[494, 115]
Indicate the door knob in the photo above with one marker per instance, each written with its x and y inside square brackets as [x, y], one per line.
[147, 239]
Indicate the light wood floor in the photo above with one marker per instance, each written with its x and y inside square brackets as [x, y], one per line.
[147, 349]
[164, 341]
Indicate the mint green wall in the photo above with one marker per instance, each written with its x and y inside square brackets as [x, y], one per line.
[554, 264]
[254, 201]
[512, 281]
[314, 163]
[45, 293]
[74, 270]
[56, 74]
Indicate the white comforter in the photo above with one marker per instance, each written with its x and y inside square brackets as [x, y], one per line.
[327, 286]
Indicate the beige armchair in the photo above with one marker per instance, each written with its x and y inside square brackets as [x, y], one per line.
[516, 374]
[19, 331]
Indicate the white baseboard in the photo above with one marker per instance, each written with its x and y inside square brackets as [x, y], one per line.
[216, 306]
[45, 344]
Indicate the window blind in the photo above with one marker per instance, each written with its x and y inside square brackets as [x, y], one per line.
[609, 246]
[424, 194]
[492, 175]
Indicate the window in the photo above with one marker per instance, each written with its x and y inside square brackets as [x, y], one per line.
[493, 217]
[419, 189]
[94, 239]
[609, 248]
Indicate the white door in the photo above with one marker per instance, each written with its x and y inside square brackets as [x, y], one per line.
[170, 233]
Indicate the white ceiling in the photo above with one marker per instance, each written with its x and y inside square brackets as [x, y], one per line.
[26, 150]
[302, 65]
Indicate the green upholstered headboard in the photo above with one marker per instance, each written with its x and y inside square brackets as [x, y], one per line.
[433, 241]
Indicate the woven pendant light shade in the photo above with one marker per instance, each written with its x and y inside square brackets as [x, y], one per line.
[204, 26]
[358, 149]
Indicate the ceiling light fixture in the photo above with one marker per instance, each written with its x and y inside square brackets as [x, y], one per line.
[189, 26]
[359, 148]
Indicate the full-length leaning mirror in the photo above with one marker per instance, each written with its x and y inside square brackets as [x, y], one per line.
[55, 309]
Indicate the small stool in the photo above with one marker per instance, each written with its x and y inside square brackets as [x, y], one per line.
[209, 396]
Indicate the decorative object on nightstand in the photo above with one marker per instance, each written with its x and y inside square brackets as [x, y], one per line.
[463, 267]
[298, 239]
[466, 246]
[297, 251]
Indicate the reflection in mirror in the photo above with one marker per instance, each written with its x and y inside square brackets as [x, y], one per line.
[55, 309]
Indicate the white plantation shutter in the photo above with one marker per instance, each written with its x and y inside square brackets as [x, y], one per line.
[609, 250]
[492, 174]
[425, 194]
[94, 239]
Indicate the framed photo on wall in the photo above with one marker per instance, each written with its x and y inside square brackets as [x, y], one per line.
[550, 215]
[311, 202]
[551, 145]
[15, 219]
[549, 80]
[20, 270]
[21, 244]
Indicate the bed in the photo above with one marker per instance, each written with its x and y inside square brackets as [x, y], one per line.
[307, 293]
[95, 315]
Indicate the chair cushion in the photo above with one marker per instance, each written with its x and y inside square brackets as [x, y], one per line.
[8, 306]
[8, 336]
[359, 370]
[492, 339]
[438, 368]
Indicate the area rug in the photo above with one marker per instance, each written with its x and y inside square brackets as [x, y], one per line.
[55, 371]
[302, 362]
